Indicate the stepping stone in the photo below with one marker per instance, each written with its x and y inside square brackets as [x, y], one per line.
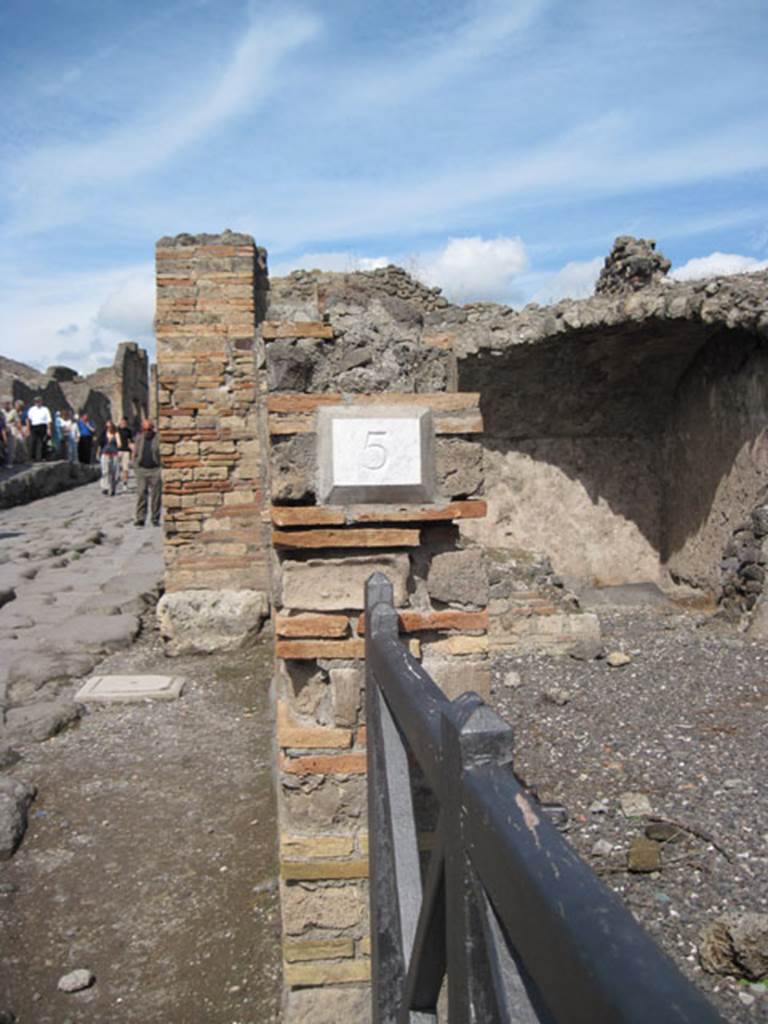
[124, 689]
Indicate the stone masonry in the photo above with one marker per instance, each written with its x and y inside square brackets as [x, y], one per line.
[362, 347]
[554, 434]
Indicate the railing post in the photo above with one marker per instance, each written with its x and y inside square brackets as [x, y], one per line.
[472, 734]
[395, 880]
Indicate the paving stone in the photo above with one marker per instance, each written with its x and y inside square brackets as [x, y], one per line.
[41, 720]
[97, 634]
[15, 798]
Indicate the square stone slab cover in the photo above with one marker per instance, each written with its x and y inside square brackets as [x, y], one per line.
[121, 689]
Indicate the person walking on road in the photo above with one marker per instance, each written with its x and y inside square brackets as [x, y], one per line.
[69, 435]
[14, 420]
[109, 458]
[86, 430]
[126, 450]
[148, 477]
[40, 428]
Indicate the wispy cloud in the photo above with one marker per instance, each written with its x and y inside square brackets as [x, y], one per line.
[52, 182]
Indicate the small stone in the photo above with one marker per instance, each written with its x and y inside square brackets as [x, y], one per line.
[736, 944]
[557, 696]
[513, 680]
[635, 805]
[664, 832]
[8, 757]
[602, 848]
[644, 856]
[7, 888]
[618, 658]
[746, 999]
[76, 980]
[599, 806]
[735, 784]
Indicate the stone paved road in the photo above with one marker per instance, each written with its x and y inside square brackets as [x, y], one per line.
[150, 855]
[75, 575]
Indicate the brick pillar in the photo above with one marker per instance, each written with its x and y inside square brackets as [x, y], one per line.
[211, 293]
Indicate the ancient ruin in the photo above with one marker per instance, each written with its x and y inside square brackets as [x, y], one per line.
[619, 439]
[121, 389]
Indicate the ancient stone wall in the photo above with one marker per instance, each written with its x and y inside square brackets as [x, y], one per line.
[715, 453]
[364, 349]
[561, 423]
[110, 392]
[623, 432]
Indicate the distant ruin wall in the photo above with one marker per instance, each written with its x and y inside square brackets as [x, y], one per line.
[121, 389]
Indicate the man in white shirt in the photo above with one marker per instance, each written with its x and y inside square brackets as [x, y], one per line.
[40, 423]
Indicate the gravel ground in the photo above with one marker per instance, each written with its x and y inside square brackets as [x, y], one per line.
[685, 723]
[150, 856]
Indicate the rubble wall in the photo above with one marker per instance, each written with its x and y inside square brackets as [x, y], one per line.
[622, 432]
[715, 454]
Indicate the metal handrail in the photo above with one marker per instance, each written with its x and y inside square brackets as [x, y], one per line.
[523, 929]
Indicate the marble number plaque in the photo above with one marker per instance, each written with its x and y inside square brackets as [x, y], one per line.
[386, 457]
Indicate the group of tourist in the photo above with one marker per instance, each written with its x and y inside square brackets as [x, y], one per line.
[33, 434]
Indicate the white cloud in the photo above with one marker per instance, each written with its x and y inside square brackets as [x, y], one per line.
[129, 308]
[77, 318]
[717, 264]
[474, 269]
[576, 280]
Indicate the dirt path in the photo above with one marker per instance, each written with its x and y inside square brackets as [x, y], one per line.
[149, 857]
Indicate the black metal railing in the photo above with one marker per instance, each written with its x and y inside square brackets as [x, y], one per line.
[504, 909]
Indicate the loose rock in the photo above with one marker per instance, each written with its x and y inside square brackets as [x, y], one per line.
[643, 855]
[557, 696]
[616, 659]
[76, 980]
[635, 805]
[602, 848]
[15, 798]
[736, 944]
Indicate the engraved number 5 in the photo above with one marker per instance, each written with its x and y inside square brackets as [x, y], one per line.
[374, 453]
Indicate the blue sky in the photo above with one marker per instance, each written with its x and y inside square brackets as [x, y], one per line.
[494, 148]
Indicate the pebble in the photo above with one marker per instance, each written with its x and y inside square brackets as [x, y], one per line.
[635, 805]
[663, 832]
[7, 888]
[513, 680]
[644, 856]
[602, 848]
[557, 696]
[618, 658]
[746, 998]
[76, 980]
[599, 806]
